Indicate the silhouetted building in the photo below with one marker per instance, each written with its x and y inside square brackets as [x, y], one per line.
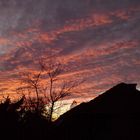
[114, 115]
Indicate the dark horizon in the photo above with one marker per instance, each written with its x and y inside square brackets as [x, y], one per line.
[113, 115]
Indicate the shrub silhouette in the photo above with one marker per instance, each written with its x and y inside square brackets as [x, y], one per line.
[9, 118]
[18, 123]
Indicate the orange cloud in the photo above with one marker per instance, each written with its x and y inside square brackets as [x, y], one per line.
[4, 41]
[95, 52]
[31, 35]
[126, 14]
[34, 34]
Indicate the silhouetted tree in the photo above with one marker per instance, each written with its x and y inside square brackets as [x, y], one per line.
[47, 86]
[10, 117]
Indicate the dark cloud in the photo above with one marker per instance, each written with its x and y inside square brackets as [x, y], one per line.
[98, 39]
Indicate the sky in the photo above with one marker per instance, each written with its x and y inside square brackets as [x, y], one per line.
[98, 40]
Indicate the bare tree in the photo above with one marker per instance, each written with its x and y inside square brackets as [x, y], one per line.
[47, 86]
[32, 81]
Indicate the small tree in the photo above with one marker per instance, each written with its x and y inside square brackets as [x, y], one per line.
[46, 86]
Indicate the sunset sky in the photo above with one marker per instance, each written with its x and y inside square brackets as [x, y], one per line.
[98, 40]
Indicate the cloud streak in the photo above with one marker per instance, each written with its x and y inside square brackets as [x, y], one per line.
[97, 41]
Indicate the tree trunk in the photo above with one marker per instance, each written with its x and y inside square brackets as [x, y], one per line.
[51, 112]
